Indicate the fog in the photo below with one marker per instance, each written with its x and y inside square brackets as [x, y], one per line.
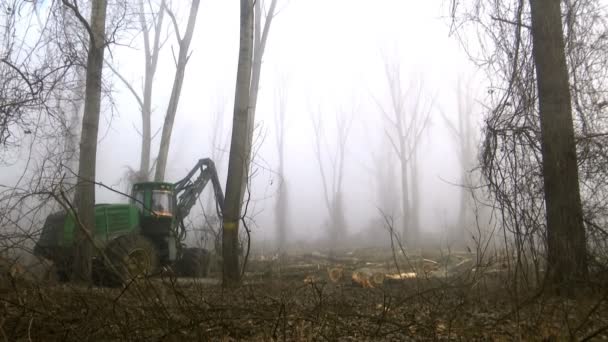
[329, 59]
[419, 170]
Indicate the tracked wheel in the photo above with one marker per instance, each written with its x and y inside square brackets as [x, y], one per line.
[131, 257]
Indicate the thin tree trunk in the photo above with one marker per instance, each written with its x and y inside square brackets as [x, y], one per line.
[415, 206]
[88, 143]
[339, 222]
[260, 36]
[151, 55]
[184, 46]
[332, 179]
[566, 242]
[281, 203]
[73, 132]
[281, 206]
[240, 149]
[405, 194]
[463, 135]
[146, 141]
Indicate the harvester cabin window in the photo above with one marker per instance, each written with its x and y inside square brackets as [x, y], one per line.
[138, 200]
[161, 203]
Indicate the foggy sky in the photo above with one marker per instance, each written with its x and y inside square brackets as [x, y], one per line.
[328, 55]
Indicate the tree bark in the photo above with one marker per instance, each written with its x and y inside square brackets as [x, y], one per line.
[85, 188]
[151, 56]
[240, 149]
[566, 242]
[184, 46]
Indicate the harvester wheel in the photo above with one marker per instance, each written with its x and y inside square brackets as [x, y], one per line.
[132, 256]
[194, 263]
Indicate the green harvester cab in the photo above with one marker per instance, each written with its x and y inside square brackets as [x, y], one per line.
[135, 238]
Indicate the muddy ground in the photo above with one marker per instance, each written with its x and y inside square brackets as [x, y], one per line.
[354, 296]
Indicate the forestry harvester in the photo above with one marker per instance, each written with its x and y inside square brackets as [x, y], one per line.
[140, 237]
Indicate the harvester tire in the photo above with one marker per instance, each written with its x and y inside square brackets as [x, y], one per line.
[194, 263]
[131, 257]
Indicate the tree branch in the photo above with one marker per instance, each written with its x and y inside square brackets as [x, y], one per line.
[83, 21]
[129, 86]
[175, 25]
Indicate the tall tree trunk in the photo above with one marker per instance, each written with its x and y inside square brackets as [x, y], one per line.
[281, 206]
[407, 119]
[88, 143]
[259, 40]
[415, 206]
[260, 36]
[339, 222]
[385, 175]
[566, 242]
[405, 194]
[460, 234]
[73, 132]
[464, 136]
[184, 46]
[151, 56]
[332, 178]
[281, 203]
[240, 149]
[146, 142]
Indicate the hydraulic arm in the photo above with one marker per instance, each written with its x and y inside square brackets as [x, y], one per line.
[188, 190]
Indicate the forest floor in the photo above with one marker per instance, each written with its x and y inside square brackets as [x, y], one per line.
[354, 296]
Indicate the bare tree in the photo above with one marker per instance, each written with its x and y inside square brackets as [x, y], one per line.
[383, 172]
[332, 177]
[37, 64]
[566, 242]
[85, 188]
[151, 32]
[513, 151]
[407, 116]
[261, 30]
[240, 149]
[40, 101]
[464, 135]
[281, 204]
[415, 196]
[260, 37]
[152, 26]
[182, 60]
[252, 45]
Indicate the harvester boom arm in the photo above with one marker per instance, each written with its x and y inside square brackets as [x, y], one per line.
[188, 190]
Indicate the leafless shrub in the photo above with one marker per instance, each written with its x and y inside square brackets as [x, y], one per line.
[510, 155]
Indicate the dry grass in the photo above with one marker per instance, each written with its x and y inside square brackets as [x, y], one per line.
[285, 307]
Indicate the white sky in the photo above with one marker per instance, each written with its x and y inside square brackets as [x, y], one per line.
[331, 52]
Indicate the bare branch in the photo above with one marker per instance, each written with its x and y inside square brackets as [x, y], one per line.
[126, 83]
[83, 21]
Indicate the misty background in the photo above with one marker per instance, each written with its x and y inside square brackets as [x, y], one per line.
[324, 58]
